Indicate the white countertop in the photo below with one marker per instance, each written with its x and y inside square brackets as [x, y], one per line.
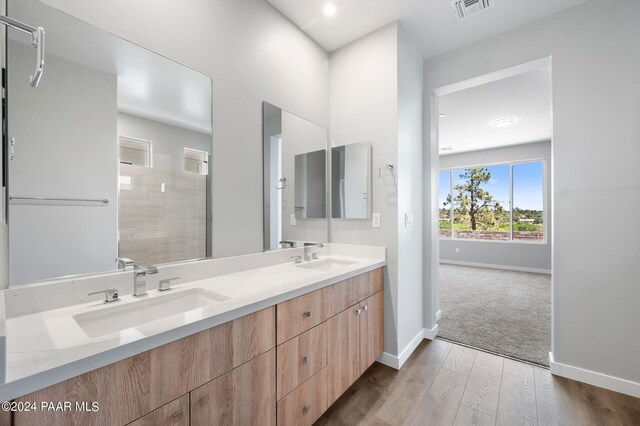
[47, 347]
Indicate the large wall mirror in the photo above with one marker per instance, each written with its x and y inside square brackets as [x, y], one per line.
[351, 181]
[109, 155]
[295, 179]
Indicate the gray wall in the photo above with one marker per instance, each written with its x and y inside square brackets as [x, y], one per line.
[253, 54]
[595, 173]
[503, 253]
[64, 140]
[168, 141]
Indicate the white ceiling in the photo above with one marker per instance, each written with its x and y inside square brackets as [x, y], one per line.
[470, 113]
[149, 85]
[431, 23]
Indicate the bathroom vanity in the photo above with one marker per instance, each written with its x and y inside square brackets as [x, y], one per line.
[278, 345]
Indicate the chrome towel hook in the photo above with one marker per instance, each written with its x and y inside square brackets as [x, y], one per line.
[37, 41]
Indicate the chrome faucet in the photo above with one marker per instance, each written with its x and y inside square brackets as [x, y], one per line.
[124, 263]
[308, 255]
[140, 279]
[110, 295]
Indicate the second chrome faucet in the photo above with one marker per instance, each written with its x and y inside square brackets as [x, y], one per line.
[139, 274]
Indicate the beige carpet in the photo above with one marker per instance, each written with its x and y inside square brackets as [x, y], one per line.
[505, 312]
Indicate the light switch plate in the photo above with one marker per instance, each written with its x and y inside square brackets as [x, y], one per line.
[292, 221]
[375, 220]
[408, 220]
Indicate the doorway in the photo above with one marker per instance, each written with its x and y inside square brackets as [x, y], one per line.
[494, 238]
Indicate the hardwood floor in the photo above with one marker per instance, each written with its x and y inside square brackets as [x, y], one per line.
[446, 384]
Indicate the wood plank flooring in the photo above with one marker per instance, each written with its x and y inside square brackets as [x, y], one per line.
[446, 384]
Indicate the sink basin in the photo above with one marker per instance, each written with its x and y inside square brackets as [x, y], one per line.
[120, 317]
[327, 264]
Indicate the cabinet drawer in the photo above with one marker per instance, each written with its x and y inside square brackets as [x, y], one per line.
[243, 396]
[306, 404]
[175, 413]
[298, 315]
[300, 358]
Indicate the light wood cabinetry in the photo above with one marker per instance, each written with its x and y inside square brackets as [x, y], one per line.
[306, 404]
[243, 396]
[343, 347]
[356, 340]
[300, 358]
[175, 413]
[344, 294]
[298, 315]
[371, 330]
[283, 365]
[129, 389]
[354, 331]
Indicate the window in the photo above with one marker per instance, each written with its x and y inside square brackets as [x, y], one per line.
[196, 161]
[475, 202]
[444, 191]
[528, 201]
[135, 152]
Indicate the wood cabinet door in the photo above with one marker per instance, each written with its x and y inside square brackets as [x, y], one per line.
[371, 330]
[343, 352]
[243, 396]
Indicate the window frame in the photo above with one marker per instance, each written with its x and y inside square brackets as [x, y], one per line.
[147, 142]
[512, 163]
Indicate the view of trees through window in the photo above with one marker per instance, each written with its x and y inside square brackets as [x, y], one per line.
[475, 203]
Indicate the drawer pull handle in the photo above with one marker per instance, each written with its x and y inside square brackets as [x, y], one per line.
[366, 307]
[358, 311]
[305, 360]
[306, 409]
[178, 415]
[203, 399]
[307, 314]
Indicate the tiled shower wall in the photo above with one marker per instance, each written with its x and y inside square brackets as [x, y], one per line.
[162, 215]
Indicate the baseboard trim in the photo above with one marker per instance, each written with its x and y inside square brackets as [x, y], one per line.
[438, 315]
[594, 378]
[397, 362]
[493, 266]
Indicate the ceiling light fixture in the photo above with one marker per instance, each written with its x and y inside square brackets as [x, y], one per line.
[503, 122]
[442, 115]
[329, 9]
[446, 148]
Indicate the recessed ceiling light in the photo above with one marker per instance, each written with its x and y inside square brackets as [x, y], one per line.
[442, 115]
[329, 9]
[446, 148]
[503, 122]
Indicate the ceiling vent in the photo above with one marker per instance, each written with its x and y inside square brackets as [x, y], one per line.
[464, 8]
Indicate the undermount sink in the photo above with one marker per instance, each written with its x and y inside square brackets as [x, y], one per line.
[327, 264]
[120, 317]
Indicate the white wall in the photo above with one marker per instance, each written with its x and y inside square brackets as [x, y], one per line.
[363, 101]
[410, 201]
[534, 256]
[595, 173]
[253, 54]
[65, 147]
[375, 86]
